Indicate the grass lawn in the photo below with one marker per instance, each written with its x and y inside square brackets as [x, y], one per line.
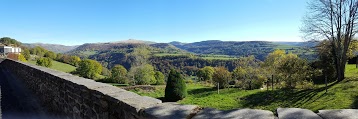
[340, 95]
[58, 66]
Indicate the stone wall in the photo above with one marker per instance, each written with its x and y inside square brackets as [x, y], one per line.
[68, 96]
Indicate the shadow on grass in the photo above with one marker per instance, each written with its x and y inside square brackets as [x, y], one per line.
[355, 103]
[282, 98]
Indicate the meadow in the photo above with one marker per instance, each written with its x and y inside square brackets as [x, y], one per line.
[340, 95]
[58, 66]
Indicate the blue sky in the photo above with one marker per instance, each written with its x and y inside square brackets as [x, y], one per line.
[74, 22]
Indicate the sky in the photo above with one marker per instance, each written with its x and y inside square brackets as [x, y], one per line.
[74, 22]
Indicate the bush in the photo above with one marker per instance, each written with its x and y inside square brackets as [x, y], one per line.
[176, 87]
[44, 61]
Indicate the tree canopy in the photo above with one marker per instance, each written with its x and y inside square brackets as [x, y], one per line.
[89, 69]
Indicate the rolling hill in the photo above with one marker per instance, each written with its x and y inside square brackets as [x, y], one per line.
[52, 47]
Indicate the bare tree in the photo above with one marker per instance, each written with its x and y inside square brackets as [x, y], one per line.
[336, 21]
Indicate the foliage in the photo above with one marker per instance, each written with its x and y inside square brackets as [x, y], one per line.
[353, 49]
[9, 41]
[141, 55]
[334, 20]
[341, 95]
[21, 58]
[289, 68]
[26, 54]
[206, 73]
[142, 75]
[74, 60]
[159, 77]
[221, 76]
[325, 63]
[176, 88]
[44, 61]
[106, 72]
[119, 74]
[249, 74]
[89, 69]
[50, 55]
[39, 51]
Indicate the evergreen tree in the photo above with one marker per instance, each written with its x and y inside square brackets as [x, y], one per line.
[176, 87]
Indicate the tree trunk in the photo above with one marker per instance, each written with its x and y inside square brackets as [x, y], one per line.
[340, 71]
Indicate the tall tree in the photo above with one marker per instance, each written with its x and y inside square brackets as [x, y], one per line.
[334, 20]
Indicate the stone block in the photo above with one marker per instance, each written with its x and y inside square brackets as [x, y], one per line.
[171, 111]
[296, 113]
[339, 114]
[210, 113]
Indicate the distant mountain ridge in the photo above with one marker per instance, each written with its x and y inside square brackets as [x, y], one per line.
[52, 47]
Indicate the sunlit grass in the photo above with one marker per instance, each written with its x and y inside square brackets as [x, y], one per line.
[340, 95]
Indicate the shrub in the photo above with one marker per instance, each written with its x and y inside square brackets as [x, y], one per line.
[44, 61]
[176, 87]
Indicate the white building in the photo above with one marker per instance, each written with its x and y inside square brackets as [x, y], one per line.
[9, 49]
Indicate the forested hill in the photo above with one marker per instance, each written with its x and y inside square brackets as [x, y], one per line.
[259, 49]
[52, 47]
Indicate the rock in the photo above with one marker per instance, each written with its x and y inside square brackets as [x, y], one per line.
[339, 114]
[210, 113]
[296, 113]
[171, 111]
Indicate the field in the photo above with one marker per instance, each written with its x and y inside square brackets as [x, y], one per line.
[58, 66]
[340, 95]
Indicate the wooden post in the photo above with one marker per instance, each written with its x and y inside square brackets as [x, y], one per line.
[272, 81]
[218, 88]
[326, 83]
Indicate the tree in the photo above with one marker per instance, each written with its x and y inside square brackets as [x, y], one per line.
[221, 76]
[294, 70]
[9, 41]
[353, 49]
[119, 74]
[248, 74]
[176, 88]
[159, 76]
[141, 55]
[21, 58]
[26, 54]
[334, 20]
[39, 51]
[44, 61]
[206, 73]
[89, 69]
[74, 60]
[143, 75]
[289, 68]
[50, 55]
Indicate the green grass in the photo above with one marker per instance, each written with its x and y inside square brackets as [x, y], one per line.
[58, 66]
[351, 70]
[340, 95]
